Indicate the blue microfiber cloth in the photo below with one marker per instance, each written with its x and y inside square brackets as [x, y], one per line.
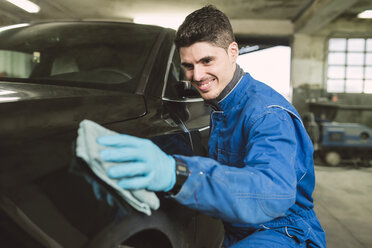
[88, 149]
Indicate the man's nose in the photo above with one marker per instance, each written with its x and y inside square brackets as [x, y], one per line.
[198, 73]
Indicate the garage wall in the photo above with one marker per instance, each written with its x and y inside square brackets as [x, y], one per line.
[308, 68]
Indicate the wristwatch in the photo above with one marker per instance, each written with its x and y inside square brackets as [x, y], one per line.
[182, 173]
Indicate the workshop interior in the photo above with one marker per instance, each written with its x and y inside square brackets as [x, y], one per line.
[114, 62]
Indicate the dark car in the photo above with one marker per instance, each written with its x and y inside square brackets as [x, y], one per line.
[124, 76]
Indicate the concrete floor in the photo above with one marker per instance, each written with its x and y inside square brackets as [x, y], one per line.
[343, 203]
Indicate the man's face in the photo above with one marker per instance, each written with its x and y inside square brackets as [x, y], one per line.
[208, 67]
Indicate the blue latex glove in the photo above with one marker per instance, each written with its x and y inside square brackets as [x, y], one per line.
[140, 163]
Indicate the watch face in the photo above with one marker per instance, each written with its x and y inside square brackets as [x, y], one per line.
[182, 169]
[182, 173]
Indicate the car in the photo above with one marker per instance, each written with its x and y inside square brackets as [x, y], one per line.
[126, 77]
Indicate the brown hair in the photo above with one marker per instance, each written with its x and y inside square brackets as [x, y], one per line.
[206, 24]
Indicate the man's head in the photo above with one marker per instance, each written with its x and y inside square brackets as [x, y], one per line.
[206, 24]
[208, 50]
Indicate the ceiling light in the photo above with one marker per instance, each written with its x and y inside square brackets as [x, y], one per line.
[26, 5]
[248, 49]
[167, 22]
[367, 14]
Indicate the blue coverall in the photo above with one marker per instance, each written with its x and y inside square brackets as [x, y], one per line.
[259, 176]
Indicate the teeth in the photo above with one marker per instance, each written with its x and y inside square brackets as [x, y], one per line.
[205, 85]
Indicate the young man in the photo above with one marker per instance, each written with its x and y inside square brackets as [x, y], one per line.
[259, 176]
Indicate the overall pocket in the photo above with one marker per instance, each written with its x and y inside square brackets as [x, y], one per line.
[289, 231]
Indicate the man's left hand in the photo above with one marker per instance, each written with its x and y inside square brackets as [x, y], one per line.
[140, 163]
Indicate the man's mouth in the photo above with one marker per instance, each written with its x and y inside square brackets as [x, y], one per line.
[205, 85]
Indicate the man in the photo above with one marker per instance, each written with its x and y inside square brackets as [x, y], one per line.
[259, 176]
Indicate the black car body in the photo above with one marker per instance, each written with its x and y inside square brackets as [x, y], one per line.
[124, 76]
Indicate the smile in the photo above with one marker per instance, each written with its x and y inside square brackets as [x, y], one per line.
[205, 85]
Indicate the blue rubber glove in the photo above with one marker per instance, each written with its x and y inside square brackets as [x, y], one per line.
[140, 163]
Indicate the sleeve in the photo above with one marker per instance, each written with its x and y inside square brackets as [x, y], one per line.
[265, 188]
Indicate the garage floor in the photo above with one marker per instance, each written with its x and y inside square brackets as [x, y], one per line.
[343, 203]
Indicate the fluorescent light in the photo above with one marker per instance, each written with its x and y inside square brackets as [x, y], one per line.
[248, 49]
[26, 5]
[367, 14]
[13, 26]
[165, 21]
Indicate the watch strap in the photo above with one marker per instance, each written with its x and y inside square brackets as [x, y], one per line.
[182, 173]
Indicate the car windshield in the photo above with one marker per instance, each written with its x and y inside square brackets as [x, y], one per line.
[81, 53]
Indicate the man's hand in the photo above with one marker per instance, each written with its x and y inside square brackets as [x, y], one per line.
[140, 163]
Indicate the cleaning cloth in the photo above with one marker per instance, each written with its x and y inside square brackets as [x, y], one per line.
[88, 149]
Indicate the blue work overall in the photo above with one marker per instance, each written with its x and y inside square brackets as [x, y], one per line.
[259, 176]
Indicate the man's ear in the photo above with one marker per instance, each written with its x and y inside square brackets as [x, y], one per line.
[233, 51]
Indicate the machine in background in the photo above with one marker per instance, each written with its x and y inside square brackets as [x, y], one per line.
[338, 142]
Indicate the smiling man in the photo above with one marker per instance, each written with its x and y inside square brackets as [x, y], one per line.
[259, 176]
[210, 68]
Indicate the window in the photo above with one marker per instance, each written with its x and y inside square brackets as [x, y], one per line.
[177, 86]
[349, 65]
[15, 64]
[81, 53]
[271, 66]
[173, 85]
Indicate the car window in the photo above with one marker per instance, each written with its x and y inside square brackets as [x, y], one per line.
[15, 64]
[91, 52]
[176, 86]
[173, 85]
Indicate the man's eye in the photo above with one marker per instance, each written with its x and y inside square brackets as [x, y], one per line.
[207, 61]
[188, 67]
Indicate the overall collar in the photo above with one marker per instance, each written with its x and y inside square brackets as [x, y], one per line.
[217, 103]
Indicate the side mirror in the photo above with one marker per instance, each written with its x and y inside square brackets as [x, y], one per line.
[178, 87]
[188, 90]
